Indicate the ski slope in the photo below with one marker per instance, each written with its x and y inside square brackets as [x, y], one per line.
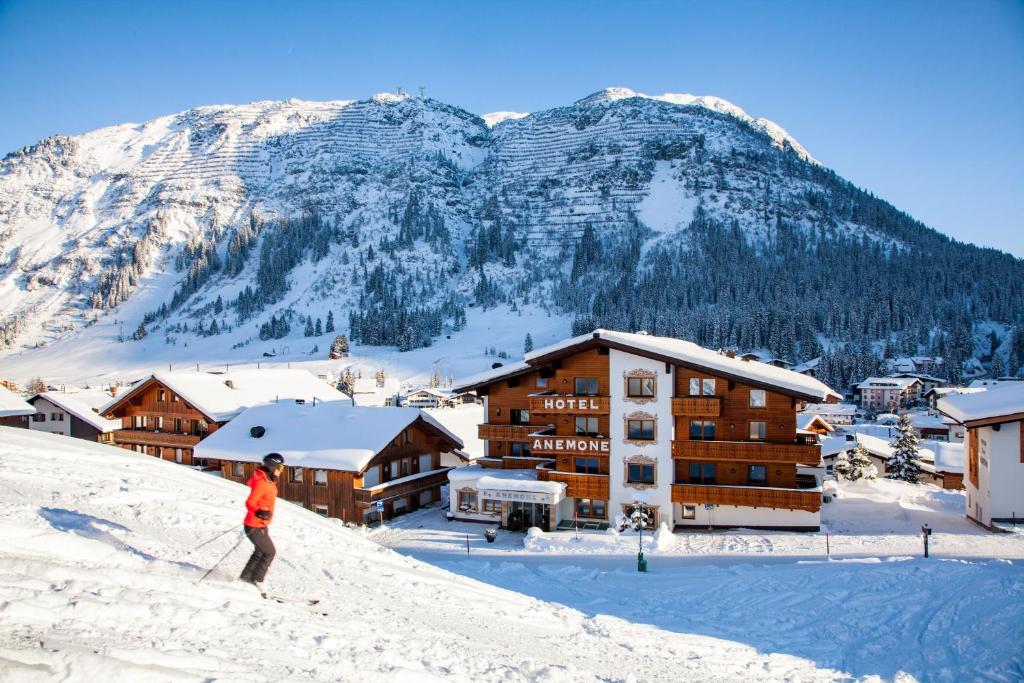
[97, 584]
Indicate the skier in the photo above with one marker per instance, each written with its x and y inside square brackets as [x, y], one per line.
[260, 511]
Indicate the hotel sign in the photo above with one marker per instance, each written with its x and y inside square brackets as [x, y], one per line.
[577, 405]
[558, 445]
[520, 496]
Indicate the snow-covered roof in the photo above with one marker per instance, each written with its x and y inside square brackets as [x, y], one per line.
[11, 404]
[430, 391]
[881, 448]
[945, 391]
[987, 383]
[504, 480]
[831, 445]
[922, 421]
[805, 421]
[222, 396]
[999, 401]
[682, 351]
[812, 364]
[329, 435]
[83, 405]
[831, 409]
[949, 457]
[494, 373]
[888, 382]
[921, 376]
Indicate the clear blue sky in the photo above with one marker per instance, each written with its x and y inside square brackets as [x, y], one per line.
[921, 103]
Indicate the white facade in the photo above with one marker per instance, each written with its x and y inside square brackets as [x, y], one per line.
[50, 418]
[1000, 491]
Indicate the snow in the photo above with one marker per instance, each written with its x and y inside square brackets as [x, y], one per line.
[83, 405]
[504, 480]
[99, 581]
[669, 204]
[876, 608]
[211, 393]
[997, 402]
[949, 457]
[327, 435]
[462, 420]
[692, 353]
[887, 382]
[804, 421]
[494, 118]
[11, 404]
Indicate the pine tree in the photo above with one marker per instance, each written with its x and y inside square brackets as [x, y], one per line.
[904, 464]
[140, 332]
[318, 328]
[861, 466]
[842, 466]
[330, 322]
[339, 347]
[998, 367]
[528, 344]
[309, 327]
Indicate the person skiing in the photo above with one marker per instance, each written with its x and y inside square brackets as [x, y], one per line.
[259, 513]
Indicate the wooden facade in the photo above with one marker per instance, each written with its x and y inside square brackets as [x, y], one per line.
[406, 475]
[158, 422]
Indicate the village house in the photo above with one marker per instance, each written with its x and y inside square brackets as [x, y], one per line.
[168, 413]
[341, 460]
[813, 426]
[582, 432]
[835, 414]
[932, 396]
[941, 463]
[928, 382]
[995, 451]
[427, 397]
[14, 411]
[74, 414]
[880, 394]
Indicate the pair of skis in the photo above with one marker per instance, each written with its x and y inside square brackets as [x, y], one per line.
[284, 600]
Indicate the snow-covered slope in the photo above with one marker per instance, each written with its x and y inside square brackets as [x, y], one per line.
[97, 582]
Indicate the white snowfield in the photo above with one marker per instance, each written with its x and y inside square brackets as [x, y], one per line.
[11, 404]
[97, 584]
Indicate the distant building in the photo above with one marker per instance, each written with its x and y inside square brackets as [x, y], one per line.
[947, 472]
[888, 393]
[932, 396]
[834, 413]
[809, 368]
[74, 414]
[427, 397]
[995, 451]
[341, 460]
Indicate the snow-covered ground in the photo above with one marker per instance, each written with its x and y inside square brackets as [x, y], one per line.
[875, 608]
[97, 583]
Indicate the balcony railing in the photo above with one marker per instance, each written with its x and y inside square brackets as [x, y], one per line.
[593, 486]
[170, 439]
[748, 451]
[492, 432]
[559, 404]
[746, 496]
[570, 445]
[388, 491]
[697, 406]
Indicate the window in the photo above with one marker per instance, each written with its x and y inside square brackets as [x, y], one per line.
[492, 506]
[237, 468]
[757, 474]
[371, 477]
[702, 387]
[161, 395]
[174, 398]
[757, 431]
[57, 417]
[586, 386]
[426, 497]
[542, 382]
[639, 473]
[640, 386]
[295, 475]
[177, 425]
[426, 463]
[689, 512]
[702, 473]
[586, 426]
[467, 501]
[395, 468]
[586, 465]
[179, 457]
[39, 417]
[159, 423]
[757, 398]
[585, 507]
[320, 477]
[519, 449]
[519, 416]
[320, 510]
[702, 430]
[640, 430]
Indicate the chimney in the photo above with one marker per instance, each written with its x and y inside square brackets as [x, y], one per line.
[113, 390]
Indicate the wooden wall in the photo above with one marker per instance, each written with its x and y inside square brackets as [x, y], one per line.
[733, 424]
[735, 474]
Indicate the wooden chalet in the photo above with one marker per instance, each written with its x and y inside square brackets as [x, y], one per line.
[697, 437]
[341, 460]
[167, 414]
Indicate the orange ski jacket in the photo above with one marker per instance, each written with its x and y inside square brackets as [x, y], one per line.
[261, 497]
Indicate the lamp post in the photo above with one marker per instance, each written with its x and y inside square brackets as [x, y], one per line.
[926, 531]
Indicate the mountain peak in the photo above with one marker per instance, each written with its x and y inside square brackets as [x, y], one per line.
[608, 95]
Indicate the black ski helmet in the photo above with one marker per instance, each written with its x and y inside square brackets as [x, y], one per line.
[273, 460]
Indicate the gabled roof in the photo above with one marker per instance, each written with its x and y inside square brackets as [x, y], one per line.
[669, 350]
[222, 396]
[11, 404]
[81, 405]
[331, 435]
[807, 420]
[999, 404]
[888, 382]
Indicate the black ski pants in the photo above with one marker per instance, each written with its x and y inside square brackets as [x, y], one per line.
[258, 564]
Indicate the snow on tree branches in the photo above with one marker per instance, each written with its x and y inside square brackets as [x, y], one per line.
[904, 464]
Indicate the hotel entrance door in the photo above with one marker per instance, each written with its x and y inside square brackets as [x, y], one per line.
[522, 516]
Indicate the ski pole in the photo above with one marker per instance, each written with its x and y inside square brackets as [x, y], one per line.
[223, 533]
[221, 560]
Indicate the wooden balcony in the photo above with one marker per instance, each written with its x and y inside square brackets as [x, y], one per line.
[746, 496]
[593, 486]
[747, 451]
[697, 406]
[166, 439]
[491, 432]
[388, 491]
[569, 445]
[563, 404]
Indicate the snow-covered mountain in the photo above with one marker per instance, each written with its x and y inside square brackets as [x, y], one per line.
[396, 213]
